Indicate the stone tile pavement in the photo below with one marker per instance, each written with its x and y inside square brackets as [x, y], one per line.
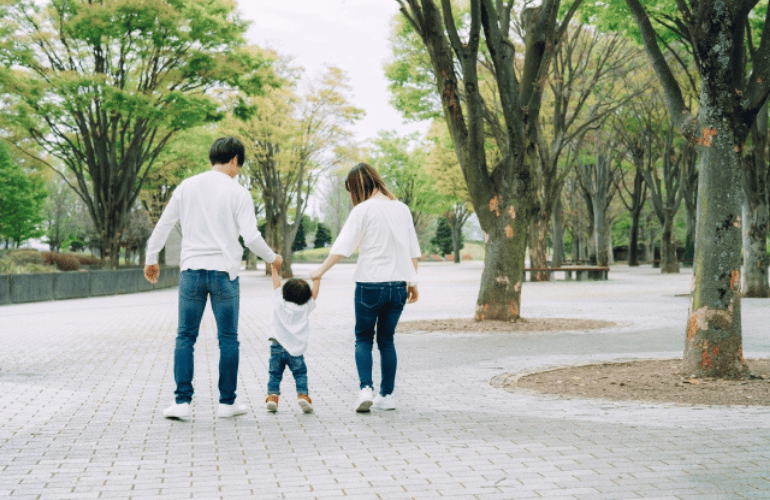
[83, 383]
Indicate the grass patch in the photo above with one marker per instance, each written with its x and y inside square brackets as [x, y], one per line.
[317, 255]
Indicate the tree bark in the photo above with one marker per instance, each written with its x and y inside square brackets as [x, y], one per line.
[713, 344]
[669, 264]
[537, 247]
[638, 198]
[756, 211]
[557, 234]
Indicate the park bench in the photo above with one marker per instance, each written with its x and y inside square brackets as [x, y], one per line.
[582, 273]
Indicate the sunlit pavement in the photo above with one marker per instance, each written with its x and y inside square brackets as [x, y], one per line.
[83, 384]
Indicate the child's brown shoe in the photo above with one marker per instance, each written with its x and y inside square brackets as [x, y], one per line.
[272, 403]
[305, 403]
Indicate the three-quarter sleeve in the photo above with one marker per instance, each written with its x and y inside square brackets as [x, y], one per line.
[351, 234]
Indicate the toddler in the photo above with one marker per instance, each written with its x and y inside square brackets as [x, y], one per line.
[290, 329]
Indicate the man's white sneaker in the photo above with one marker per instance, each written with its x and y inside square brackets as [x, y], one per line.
[178, 410]
[364, 400]
[384, 402]
[226, 411]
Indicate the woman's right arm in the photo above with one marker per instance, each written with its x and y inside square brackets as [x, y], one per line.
[347, 241]
[328, 263]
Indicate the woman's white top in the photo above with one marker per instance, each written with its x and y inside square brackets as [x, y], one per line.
[213, 210]
[383, 231]
[291, 324]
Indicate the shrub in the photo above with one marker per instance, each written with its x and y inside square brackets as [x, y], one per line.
[24, 256]
[63, 262]
[88, 260]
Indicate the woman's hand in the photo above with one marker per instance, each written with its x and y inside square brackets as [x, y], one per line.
[316, 274]
[412, 294]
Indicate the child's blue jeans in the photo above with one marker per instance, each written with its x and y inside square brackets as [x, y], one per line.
[279, 360]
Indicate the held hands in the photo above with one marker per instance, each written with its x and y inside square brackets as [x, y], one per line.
[151, 273]
[277, 262]
[316, 274]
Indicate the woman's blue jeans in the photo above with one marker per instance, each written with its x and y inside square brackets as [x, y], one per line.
[195, 286]
[378, 308]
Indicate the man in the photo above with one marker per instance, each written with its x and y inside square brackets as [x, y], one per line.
[213, 209]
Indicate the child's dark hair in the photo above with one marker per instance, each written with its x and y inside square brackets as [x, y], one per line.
[296, 290]
[225, 149]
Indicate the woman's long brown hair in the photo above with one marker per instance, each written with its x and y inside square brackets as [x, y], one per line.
[362, 180]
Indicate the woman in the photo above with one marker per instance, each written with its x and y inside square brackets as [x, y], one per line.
[381, 228]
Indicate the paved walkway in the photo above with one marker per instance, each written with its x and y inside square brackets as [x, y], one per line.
[83, 383]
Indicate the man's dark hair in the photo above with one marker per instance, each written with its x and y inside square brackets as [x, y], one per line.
[224, 149]
[297, 291]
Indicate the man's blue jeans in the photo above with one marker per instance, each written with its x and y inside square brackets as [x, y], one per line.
[195, 286]
[279, 360]
[378, 306]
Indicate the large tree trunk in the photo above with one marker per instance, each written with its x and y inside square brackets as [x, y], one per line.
[713, 344]
[500, 292]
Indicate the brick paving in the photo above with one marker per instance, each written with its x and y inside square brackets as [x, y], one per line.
[83, 383]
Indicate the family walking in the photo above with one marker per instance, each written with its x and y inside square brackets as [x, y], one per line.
[213, 210]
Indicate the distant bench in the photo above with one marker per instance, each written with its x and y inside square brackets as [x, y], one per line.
[582, 273]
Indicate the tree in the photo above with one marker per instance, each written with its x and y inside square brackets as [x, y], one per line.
[503, 192]
[293, 135]
[102, 86]
[443, 240]
[666, 197]
[449, 182]
[322, 237]
[300, 238]
[62, 211]
[21, 201]
[593, 75]
[730, 101]
[598, 181]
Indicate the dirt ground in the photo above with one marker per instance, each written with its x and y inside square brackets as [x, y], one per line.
[658, 381]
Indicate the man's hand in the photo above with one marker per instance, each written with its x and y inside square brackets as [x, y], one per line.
[412, 294]
[151, 273]
[277, 262]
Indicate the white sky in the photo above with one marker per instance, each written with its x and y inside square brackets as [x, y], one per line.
[352, 35]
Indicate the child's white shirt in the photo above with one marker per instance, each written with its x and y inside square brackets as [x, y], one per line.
[291, 324]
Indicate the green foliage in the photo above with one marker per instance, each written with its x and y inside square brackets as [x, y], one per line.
[21, 201]
[300, 239]
[412, 83]
[401, 163]
[103, 86]
[323, 236]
